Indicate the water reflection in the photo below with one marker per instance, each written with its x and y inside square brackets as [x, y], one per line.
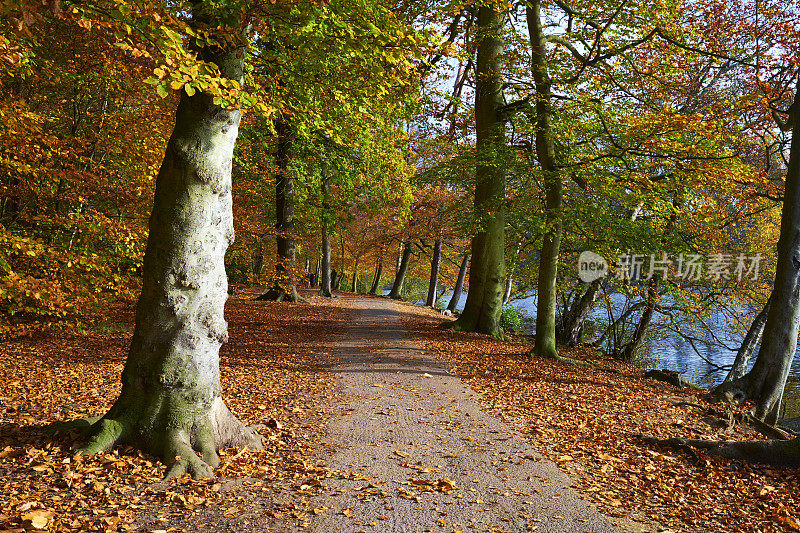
[707, 366]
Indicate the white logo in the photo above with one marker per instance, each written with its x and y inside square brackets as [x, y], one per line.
[591, 266]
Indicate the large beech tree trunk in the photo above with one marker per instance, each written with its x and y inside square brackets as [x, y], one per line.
[170, 404]
[487, 274]
[766, 380]
[400, 277]
[462, 274]
[434, 282]
[545, 152]
[285, 286]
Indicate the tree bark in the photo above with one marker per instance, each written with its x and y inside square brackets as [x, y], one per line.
[400, 277]
[545, 152]
[434, 282]
[285, 287]
[487, 274]
[378, 273]
[629, 351]
[462, 274]
[171, 404]
[751, 339]
[325, 267]
[767, 379]
[571, 328]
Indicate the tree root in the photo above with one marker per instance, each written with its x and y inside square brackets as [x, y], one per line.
[561, 359]
[785, 453]
[191, 448]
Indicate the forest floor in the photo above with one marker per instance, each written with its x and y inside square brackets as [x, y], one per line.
[367, 429]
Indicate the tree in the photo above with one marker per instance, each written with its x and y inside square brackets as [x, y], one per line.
[171, 403]
[766, 381]
[402, 269]
[487, 273]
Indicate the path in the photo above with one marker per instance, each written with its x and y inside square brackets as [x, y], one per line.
[410, 431]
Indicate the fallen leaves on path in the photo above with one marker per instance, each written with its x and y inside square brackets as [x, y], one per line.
[272, 374]
[580, 417]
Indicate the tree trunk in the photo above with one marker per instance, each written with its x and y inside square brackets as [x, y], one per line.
[766, 380]
[487, 274]
[285, 287]
[377, 281]
[571, 329]
[171, 404]
[462, 273]
[545, 152]
[629, 351]
[435, 261]
[325, 274]
[751, 339]
[355, 278]
[400, 277]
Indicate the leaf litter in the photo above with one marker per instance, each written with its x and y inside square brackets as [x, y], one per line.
[582, 419]
[274, 373]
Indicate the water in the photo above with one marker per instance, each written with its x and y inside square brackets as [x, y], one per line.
[668, 350]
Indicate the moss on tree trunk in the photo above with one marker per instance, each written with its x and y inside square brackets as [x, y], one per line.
[170, 404]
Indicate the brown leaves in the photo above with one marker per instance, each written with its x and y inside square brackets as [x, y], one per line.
[579, 417]
[267, 381]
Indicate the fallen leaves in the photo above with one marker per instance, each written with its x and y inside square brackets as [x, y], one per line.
[266, 380]
[579, 416]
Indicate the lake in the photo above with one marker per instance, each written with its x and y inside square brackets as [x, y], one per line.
[671, 351]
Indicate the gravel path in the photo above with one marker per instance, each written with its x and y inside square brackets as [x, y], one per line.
[424, 455]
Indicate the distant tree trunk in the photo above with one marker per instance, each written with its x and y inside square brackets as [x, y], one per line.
[510, 278]
[570, 328]
[462, 273]
[285, 287]
[170, 404]
[378, 273]
[355, 278]
[751, 339]
[325, 262]
[334, 279]
[487, 274]
[631, 349]
[435, 262]
[766, 381]
[545, 345]
[400, 277]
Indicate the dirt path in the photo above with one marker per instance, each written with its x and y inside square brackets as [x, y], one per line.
[409, 431]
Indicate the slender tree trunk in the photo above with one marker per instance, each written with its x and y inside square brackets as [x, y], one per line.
[767, 379]
[285, 286]
[378, 273]
[400, 277]
[487, 274]
[462, 274]
[325, 262]
[170, 404]
[434, 282]
[545, 152]
[510, 278]
[629, 351]
[751, 339]
[571, 329]
[355, 278]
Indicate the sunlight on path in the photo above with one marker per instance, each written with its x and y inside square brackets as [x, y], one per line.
[422, 455]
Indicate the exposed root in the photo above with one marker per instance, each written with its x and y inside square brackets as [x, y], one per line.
[191, 448]
[560, 358]
[105, 434]
[277, 294]
[770, 452]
